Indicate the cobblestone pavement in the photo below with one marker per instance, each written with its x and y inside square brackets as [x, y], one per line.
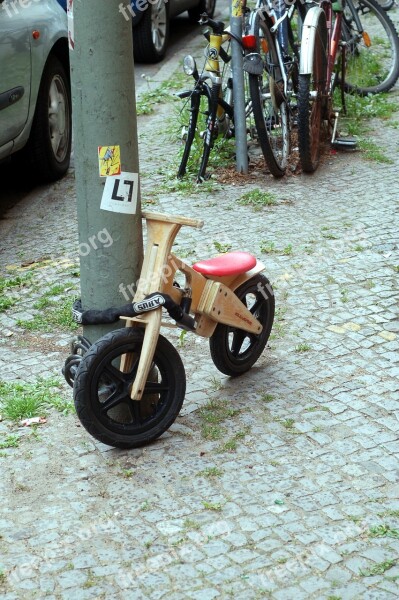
[294, 494]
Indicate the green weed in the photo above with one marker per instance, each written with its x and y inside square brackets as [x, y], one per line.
[191, 524]
[25, 400]
[10, 441]
[302, 347]
[372, 151]
[383, 531]
[57, 315]
[210, 472]
[212, 505]
[257, 199]
[267, 247]
[222, 248]
[267, 398]
[378, 569]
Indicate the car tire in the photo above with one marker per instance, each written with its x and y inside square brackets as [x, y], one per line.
[207, 6]
[151, 34]
[48, 150]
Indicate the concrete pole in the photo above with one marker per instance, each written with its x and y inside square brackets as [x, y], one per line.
[240, 124]
[104, 115]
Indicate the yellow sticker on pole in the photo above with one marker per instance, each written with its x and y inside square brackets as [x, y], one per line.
[236, 8]
[109, 160]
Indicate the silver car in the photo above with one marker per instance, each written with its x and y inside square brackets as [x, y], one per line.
[35, 96]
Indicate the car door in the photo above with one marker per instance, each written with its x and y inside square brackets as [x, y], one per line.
[15, 70]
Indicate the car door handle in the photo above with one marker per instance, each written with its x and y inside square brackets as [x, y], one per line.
[11, 96]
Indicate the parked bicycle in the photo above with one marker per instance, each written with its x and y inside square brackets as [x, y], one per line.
[273, 80]
[372, 47]
[211, 107]
[337, 49]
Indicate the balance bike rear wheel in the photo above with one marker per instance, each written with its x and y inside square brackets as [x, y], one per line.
[102, 391]
[233, 350]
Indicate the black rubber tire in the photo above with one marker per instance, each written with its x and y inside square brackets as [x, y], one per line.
[145, 48]
[210, 132]
[207, 6]
[127, 423]
[51, 118]
[235, 361]
[195, 101]
[386, 4]
[364, 65]
[310, 112]
[271, 115]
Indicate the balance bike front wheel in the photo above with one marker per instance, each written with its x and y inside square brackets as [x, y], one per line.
[102, 390]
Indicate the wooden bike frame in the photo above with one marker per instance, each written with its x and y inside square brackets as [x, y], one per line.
[213, 299]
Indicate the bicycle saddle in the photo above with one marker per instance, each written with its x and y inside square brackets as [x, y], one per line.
[232, 263]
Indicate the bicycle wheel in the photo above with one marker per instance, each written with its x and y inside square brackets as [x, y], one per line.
[102, 390]
[386, 4]
[211, 131]
[196, 117]
[269, 104]
[189, 132]
[312, 90]
[372, 58]
[233, 350]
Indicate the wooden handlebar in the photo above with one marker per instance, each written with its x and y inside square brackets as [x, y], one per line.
[152, 216]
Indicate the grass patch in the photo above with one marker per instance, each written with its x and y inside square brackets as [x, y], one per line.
[6, 303]
[222, 248]
[212, 505]
[302, 348]
[231, 444]
[58, 315]
[257, 199]
[267, 398]
[378, 569]
[359, 111]
[217, 411]
[389, 513]
[191, 524]
[7, 283]
[10, 441]
[383, 530]
[372, 151]
[159, 95]
[11, 283]
[25, 400]
[210, 472]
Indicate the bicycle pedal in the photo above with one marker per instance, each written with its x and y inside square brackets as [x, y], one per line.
[344, 143]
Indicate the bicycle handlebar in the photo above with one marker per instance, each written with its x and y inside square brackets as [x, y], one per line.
[216, 26]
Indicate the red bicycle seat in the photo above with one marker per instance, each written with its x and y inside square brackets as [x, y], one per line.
[232, 263]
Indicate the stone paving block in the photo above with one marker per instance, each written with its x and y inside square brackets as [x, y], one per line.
[204, 594]
[71, 578]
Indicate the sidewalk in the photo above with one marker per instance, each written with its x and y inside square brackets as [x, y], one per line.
[298, 498]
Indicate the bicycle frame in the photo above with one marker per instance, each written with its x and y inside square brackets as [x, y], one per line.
[212, 298]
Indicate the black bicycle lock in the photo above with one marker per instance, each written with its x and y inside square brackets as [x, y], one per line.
[149, 303]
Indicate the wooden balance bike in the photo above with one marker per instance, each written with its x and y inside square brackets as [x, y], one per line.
[129, 386]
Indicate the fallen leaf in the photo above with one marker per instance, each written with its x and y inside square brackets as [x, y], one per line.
[33, 421]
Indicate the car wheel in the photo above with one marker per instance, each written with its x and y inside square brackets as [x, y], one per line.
[207, 6]
[151, 34]
[48, 150]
